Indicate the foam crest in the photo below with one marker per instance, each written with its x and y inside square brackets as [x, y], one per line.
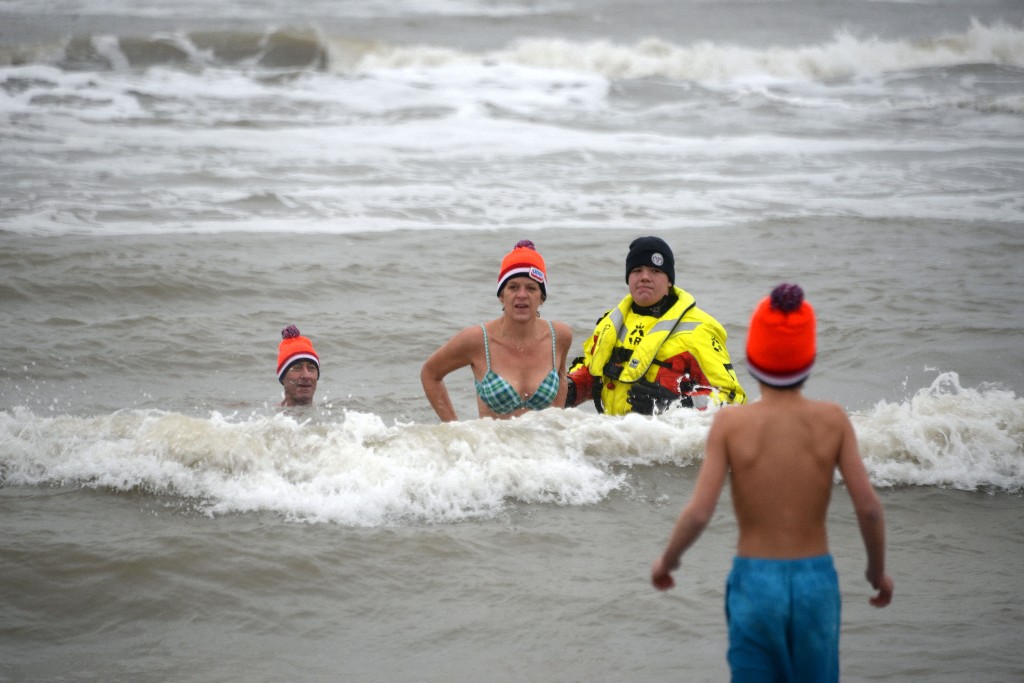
[357, 470]
[845, 56]
[947, 435]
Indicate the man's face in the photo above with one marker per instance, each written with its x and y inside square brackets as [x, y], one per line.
[648, 285]
[300, 383]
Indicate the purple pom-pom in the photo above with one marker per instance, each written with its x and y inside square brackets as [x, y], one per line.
[787, 297]
[290, 332]
[525, 244]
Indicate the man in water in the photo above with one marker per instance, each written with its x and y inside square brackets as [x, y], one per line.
[298, 368]
[655, 349]
[780, 453]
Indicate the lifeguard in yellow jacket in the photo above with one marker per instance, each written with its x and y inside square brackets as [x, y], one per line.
[656, 348]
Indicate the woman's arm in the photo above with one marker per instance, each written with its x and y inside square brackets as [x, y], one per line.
[456, 353]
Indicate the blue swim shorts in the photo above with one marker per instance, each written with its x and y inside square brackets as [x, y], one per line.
[783, 618]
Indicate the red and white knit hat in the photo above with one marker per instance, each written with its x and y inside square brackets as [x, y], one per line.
[294, 347]
[524, 260]
[781, 342]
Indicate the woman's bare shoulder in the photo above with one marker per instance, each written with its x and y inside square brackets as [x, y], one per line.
[466, 339]
[562, 330]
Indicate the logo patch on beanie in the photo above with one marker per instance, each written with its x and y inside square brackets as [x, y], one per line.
[537, 274]
[657, 259]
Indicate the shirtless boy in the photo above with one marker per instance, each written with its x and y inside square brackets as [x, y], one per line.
[782, 595]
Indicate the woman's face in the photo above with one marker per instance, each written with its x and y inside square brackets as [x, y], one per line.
[648, 285]
[521, 298]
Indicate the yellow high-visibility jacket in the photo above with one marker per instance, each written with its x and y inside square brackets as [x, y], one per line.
[684, 351]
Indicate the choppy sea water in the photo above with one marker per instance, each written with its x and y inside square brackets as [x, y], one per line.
[177, 189]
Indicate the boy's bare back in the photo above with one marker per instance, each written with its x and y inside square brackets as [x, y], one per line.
[781, 452]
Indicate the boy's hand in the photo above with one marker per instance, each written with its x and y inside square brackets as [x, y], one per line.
[884, 587]
[661, 576]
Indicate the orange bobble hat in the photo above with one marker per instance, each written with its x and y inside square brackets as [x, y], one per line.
[781, 342]
[294, 347]
[526, 261]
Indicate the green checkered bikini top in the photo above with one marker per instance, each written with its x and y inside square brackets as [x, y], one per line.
[499, 395]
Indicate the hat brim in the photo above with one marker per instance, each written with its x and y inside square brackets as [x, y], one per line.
[293, 360]
[779, 380]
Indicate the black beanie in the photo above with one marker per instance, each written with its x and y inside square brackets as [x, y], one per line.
[653, 252]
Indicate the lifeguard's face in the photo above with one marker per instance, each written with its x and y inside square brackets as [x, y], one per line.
[521, 297]
[648, 285]
[300, 383]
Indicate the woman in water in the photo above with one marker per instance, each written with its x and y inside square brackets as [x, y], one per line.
[518, 359]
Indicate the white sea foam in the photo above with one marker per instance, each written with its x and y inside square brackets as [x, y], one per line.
[357, 470]
[173, 133]
[845, 56]
[314, 9]
[947, 435]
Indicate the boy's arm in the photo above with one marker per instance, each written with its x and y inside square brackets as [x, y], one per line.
[870, 516]
[697, 513]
